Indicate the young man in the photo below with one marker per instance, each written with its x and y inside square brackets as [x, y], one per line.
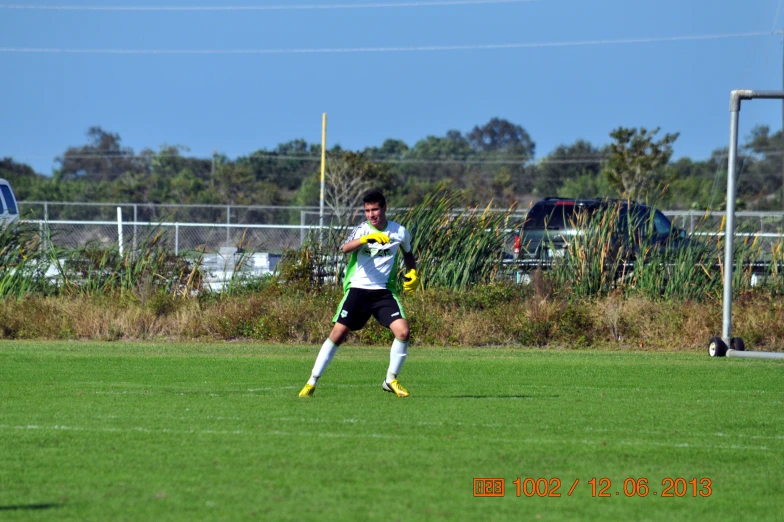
[370, 285]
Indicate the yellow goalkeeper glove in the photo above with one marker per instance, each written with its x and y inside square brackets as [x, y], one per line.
[374, 237]
[410, 280]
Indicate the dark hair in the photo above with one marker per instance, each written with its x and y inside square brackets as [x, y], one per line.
[375, 196]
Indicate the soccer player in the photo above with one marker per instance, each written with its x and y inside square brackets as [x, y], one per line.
[370, 286]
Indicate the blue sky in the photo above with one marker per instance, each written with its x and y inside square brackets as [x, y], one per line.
[237, 103]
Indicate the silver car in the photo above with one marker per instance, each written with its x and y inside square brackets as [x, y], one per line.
[9, 211]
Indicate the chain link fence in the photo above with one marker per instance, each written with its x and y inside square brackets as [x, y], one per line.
[155, 213]
[745, 222]
[209, 228]
[178, 237]
[689, 220]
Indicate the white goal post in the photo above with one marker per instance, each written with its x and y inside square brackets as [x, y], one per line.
[734, 346]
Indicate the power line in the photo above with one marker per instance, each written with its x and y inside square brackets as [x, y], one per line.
[440, 160]
[260, 154]
[426, 48]
[381, 158]
[259, 7]
[521, 160]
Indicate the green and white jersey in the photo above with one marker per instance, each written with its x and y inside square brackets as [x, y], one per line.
[373, 266]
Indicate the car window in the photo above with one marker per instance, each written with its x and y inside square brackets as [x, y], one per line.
[661, 224]
[2, 206]
[554, 216]
[630, 220]
[9, 199]
[644, 217]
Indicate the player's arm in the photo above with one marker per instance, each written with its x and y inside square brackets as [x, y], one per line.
[374, 237]
[350, 246]
[410, 277]
[409, 260]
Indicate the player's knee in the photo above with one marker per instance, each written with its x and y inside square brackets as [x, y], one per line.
[402, 332]
[338, 334]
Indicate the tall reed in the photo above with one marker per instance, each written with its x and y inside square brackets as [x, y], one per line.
[456, 246]
[610, 253]
[594, 259]
[22, 263]
[318, 263]
[150, 268]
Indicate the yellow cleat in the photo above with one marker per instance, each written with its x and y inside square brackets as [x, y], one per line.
[394, 387]
[307, 391]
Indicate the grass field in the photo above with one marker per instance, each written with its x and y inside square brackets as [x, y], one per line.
[122, 431]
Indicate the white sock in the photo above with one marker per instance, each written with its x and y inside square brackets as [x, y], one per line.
[325, 355]
[397, 356]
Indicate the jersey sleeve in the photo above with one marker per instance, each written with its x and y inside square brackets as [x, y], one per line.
[355, 234]
[406, 243]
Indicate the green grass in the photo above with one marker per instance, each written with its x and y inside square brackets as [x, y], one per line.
[121, 431]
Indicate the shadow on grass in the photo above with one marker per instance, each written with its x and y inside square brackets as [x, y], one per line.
[20, 507]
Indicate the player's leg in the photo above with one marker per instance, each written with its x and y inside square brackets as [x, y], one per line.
[336, 337]
[399, 351]
[389, 312]
[349, 316]
[326, 353]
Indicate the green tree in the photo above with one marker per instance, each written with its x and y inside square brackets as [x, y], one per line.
[390, 149]
[587, 185]
[567, 163]
[699, 184]
[309, 191]
[760, 174]
[22, 178]
[499, 135]
[102, 159]
[432, 159]
[286, 166]
[636, 164]
[454, 146]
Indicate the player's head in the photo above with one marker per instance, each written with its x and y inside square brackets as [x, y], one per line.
[375, 208]
[374, 196]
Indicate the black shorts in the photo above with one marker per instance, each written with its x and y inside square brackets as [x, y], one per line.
[358, 305]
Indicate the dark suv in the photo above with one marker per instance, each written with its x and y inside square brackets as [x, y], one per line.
[551, 222]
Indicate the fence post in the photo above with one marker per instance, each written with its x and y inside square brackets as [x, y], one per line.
[228, 222]
[176, 239]
[302, 220]
[46, 220]
[119, 230]
[135, 219]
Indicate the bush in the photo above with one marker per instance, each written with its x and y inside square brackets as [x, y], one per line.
[478, 316]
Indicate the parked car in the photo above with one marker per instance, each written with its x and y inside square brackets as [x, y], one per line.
[551, 222]
[9, 211]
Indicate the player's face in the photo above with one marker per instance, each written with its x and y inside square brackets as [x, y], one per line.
[376, 214]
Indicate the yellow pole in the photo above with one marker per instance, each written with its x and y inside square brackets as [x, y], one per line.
[323, 169]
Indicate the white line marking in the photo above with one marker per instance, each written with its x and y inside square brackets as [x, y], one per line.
[523, 387]
[683, 445]
[311, 420]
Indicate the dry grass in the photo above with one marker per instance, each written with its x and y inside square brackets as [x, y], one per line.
[644, 323]
[503, 316]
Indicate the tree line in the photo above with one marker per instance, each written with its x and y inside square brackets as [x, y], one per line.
[494, 162]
